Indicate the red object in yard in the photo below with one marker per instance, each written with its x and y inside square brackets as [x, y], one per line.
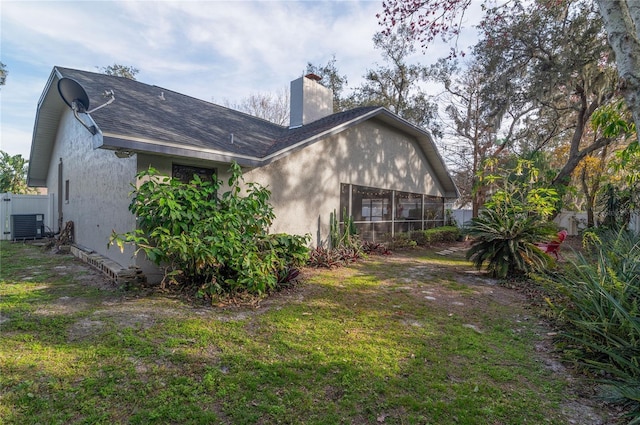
[553, 247]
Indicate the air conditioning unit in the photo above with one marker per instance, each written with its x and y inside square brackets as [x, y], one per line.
[27, 226]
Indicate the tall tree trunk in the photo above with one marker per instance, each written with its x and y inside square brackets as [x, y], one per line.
[622, 21]
[590, 198]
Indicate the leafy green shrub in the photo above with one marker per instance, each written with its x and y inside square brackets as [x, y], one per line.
[446, 233]
[600, 294]
[218, 243]
[401, 241]
[419, 237]
[290, 253]
[436, 234]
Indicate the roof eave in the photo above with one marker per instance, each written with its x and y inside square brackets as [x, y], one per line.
[114, 141]
[47, 112]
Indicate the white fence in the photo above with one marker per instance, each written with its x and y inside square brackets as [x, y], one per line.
[574, 222]
[11, 204]
[461, 217]
[634, 224]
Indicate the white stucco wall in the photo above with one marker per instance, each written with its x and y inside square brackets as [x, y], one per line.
[305, 185]
[99, 187]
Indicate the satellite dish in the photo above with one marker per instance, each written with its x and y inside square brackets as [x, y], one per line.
[73, 94]
[77, 99]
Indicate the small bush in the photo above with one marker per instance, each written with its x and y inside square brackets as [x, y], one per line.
[375, 248]
[435, 235]
[321, 257]
[401, 241]
[506, 243]
[349, 254]
[289, 253]
[515, 219]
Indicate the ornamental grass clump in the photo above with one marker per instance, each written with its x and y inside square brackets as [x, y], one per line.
[216, 242]
[597, 300]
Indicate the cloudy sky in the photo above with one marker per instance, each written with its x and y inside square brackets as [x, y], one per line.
[211, 50]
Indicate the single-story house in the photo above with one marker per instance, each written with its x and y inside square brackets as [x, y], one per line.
[384, 171]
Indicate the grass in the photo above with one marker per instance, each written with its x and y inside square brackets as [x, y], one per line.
[396, 341]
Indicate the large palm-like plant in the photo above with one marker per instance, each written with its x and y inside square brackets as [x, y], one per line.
[507, 242]
[505, 234]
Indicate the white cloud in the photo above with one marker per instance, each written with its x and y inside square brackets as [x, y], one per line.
[18, 103]
[212, 50]
[15, 141]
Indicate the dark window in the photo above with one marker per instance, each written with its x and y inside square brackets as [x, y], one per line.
[185, 173]
[408, 212]
[66, 191]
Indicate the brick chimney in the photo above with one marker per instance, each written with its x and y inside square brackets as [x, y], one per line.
[310, 101]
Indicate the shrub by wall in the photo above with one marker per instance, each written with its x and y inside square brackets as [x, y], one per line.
[216, 242]
[427, 237]
[435, 235]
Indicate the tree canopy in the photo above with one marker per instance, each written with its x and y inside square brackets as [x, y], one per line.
[3, 74]
[118, 70]
[429, 19]
[13, 173]
[529, 87]
[397, 84]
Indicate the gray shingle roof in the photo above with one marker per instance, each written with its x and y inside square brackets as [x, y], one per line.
[140, 112]
[156, 113]
[151, 118]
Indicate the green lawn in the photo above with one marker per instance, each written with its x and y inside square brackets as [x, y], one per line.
[406, 339]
